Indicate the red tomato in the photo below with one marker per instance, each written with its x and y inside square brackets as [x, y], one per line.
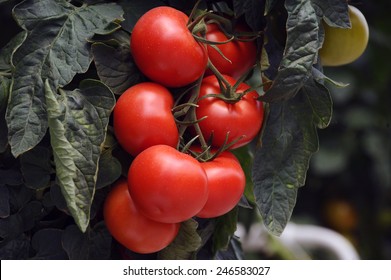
[132, 229]
[143, 118]
[165, 50]
[226, 183]
[242, 54]
[167, 185]
[243, 118]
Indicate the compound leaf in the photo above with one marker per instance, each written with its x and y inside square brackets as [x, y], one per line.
[56, 48]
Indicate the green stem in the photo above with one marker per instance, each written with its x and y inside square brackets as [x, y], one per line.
[193, 11]
[225, 86]
[204, 145]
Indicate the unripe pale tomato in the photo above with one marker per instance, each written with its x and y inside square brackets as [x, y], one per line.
[342, 46]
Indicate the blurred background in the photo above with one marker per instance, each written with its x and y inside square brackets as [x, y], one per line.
[348, 187]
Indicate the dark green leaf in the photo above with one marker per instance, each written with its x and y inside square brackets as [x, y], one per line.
[15, 249]
[10, 228]
[58, 198]
[56, 48]
[253, 11]
[281, 163]
[206, 229]
[335, 12]
[109, 170]
[301, 48]
[94, 245]
[78, 123]
[11, 177]
[135, 9]
[246, 161]
[115, 66]
[24, 220]
[185, 245]
[269, 4]
[319, 98]
[4, 202]
[224, 230]
[19, 197]
[233, 252]
[36, 167]
[185, 6]
[320, 77]
[8, 50]
[47, 244]
[30, 214]
[4, 93]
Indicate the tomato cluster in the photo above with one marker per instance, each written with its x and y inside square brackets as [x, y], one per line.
[172, 179]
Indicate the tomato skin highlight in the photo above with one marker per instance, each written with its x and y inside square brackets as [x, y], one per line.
[165, 50]
[142, 118]
[167, 186]
[243, 118]
[242, 54]
[132, 229]
[345, 45]
[226, 183]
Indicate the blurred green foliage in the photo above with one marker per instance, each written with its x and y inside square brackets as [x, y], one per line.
[353, 164]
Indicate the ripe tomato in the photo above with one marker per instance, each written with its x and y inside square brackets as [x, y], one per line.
[167, 185]
[243, 118]
[143, 118]
[132, 229]
[165, 50]
[242, 54]
[226, 183]
[342, 46]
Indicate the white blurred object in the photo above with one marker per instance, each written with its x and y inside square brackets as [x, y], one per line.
[297, 238]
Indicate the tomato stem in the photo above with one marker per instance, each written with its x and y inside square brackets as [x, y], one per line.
[197, 128]
[225, 86]
[193, 11]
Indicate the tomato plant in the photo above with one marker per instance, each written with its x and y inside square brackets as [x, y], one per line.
[167, 185]
[342, 46]
[92, 92]
[238, 55]
[132, 229]
[164, 49]
[231, 119]
[143, 118]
